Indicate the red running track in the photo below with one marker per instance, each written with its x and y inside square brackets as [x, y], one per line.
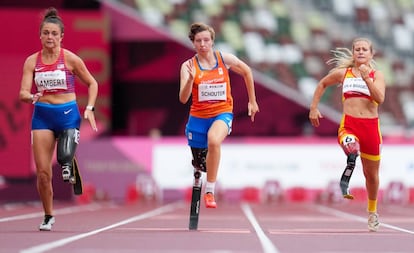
[238, 227]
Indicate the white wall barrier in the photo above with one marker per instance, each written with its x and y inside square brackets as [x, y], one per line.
[293, 163]
[113, 164]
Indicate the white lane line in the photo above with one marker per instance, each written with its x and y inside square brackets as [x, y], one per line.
[267, 244]
[341, 214]
[55, 244]
[67, 210]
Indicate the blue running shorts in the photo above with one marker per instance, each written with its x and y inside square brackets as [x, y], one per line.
[56, 117]
[197, 128]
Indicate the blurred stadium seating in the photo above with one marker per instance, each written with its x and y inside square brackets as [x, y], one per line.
[286, 40]
[290, 40]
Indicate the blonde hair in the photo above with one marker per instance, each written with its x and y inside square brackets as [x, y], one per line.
[343, 57]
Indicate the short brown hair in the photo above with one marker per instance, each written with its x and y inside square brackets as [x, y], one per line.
[200, 27]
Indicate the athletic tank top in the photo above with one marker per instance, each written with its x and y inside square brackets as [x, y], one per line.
[353, 86]
[53, 78]
[211, 93]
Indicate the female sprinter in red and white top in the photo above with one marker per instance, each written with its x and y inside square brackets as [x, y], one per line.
[56, 118]
[363, 89]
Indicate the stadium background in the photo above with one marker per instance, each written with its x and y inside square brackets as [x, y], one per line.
[135, 48]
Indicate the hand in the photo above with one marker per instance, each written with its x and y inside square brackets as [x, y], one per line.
[36, 97]
[364, 70]
[89, 115]
[252, 109]
[314, 116]
[190, 69]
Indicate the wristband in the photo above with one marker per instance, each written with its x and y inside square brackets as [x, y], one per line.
[90, 108]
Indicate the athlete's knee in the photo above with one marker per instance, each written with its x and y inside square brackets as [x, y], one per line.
[44, 177]
[350, 145]
[68, 140]
[199, 158]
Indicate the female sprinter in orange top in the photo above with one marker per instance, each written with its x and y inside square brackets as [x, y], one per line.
[363, 89]
[205, 77]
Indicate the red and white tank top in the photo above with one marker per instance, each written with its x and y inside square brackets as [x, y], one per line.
[53, 78]
[353, 86]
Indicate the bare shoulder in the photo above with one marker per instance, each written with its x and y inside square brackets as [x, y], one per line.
[338, 74]
[31, 60]
[229, 59]
[187, 63]
[70, 56]
[378, 73]
[73, 61]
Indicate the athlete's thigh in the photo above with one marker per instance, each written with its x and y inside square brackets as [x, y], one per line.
[370, 168]
[43, 145]
[217, 132]
[371, 141]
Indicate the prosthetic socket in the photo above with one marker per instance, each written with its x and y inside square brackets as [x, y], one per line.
[199, 158]
[68, 140]
[350, 145]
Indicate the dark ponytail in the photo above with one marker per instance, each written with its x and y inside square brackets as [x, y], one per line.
[52, 16]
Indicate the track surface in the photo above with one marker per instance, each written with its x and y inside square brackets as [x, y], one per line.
[237, 227]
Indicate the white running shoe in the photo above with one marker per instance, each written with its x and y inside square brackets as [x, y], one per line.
[373, 223]
[47, 224]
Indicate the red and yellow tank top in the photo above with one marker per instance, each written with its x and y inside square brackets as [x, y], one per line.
[53, 78]
[353, 86]
[211, 94]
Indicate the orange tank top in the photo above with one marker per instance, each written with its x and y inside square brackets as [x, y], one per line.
[211, 93]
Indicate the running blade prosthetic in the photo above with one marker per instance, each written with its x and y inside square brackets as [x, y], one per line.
[346, 176]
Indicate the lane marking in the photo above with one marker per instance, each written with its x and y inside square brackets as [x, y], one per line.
[341, 214]
[58, 243]
[267, 245]
[66, 210]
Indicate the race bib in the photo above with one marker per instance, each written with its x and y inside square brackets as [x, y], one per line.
[357, 84]
[211, 92]
[51, 80]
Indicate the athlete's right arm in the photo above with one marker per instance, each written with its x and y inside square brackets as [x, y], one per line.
[25, 94]
[333, 77]
[187, 74]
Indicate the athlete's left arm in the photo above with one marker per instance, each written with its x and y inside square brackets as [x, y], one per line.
[79, 69]
[376, 86]
[241, 68]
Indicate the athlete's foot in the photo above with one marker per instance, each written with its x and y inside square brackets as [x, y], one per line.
[209, 200]
[47, 223]
[373, 223]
